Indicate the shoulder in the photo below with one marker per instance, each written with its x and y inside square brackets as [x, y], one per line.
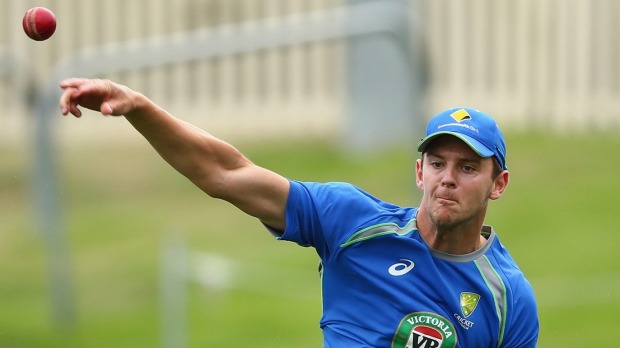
[331, 188]
[508, 269]
[329, 213]
[335, 193]
[522, 324]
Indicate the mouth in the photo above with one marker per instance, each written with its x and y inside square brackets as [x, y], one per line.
[446, 200]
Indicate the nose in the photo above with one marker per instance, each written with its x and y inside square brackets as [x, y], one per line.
[449, 178]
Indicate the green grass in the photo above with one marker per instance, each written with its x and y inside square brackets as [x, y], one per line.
[558, 218]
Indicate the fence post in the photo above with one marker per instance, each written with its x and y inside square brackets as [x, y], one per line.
[173, 291]
[384, 79]
[48, 207]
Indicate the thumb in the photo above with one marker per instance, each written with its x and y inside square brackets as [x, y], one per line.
[106, 109]
[113, 108]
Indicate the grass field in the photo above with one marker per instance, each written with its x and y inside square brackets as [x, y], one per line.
[559, 219]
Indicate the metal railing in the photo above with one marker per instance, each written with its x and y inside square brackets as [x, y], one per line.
[532, 63]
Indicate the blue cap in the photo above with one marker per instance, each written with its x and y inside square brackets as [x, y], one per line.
[476, 128]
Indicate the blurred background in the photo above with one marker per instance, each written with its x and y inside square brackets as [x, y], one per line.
[102, 244]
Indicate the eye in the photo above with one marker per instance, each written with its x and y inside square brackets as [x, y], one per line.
[469, 169]
[436, 164]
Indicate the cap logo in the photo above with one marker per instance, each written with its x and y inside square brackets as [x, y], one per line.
[460, 115]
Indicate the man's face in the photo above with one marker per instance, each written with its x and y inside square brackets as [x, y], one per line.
[456, 183]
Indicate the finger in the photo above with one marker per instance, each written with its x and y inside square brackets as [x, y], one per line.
[69, 102]
[72, 107]
[65, 100]
[75, 111]
[72, 82]
[82, 86]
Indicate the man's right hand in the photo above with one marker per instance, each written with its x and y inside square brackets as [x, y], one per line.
[104, 96]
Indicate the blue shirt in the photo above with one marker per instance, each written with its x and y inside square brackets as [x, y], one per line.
[383, 286]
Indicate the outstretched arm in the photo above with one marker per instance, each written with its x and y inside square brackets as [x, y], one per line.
[213, 165]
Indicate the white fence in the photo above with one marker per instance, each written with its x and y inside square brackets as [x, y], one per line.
[532, 63]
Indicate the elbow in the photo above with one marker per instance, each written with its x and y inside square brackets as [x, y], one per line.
[220, 179]
[219, 185]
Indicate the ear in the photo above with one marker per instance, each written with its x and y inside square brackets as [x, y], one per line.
[499, 185]
[419, 178]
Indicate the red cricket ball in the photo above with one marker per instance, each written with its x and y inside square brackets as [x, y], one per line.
[39, 23]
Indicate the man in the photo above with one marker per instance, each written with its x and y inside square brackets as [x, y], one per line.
[432, 276]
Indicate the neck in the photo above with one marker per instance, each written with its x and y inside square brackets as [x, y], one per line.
[460, 239]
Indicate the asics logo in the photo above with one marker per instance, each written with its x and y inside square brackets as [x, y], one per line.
[401, 268]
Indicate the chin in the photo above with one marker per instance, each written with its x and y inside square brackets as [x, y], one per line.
[443, 218]
[443, 221]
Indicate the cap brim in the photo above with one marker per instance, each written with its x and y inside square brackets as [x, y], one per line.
[474, 144]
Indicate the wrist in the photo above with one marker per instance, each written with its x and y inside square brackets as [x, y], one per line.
[139, 105]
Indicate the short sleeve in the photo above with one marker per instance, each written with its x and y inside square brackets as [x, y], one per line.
[324, 215]
[523, 325]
